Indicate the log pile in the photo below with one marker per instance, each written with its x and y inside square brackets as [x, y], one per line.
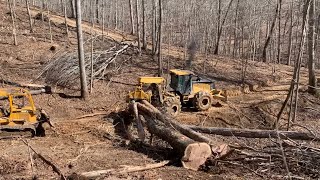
[195, 149]
[192, 147]
[64, 69]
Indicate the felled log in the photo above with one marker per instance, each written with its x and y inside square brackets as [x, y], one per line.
[152, 111]
[32, 92]
[193, 154]
[254, 133]
[123, 170]
[141, 132]
[46, 89]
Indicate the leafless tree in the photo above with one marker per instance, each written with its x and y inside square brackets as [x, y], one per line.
[83, 77]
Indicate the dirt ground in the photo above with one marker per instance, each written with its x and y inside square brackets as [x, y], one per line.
[92, 143]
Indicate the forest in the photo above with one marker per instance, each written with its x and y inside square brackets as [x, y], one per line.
[159, 89]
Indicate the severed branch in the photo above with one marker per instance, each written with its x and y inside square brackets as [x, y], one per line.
[123, 170]
[92, 115]
[54, 167]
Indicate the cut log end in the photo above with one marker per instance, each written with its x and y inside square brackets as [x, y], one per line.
[196, 155]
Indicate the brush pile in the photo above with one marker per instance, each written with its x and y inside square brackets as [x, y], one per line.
[64, 70]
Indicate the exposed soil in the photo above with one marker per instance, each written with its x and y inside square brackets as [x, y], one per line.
[93, 143]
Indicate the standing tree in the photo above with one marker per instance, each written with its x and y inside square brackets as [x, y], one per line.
[138, 26]
[30, 17]
[66, 18]
[160, 70]
[83, 78]
[13, 17]
[294, 88]
[266, 44]
[221, 24]
[311, 45]
[144, 37]
[131, 17]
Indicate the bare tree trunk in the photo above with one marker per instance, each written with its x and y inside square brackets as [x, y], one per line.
[83, 77]
[49, 23]
[279, 34]
[61, 5]
[216, 51]
[42, 10]
[264, 52]
[138, 26]
[311, 46]
[73, 8]
[296, 73]
[91, 36]
[116, 15]
[66, 18]
[290, 35]
[154, 28]
[160, 70]
[29, 14]
[235, 30]
[103, 19]
[12, 12]
[144, 37]
[131, 17]
[97, 11]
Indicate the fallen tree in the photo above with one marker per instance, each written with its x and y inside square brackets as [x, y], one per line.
[149, 109]
[255, 133]
[193, 154]
[192, 147]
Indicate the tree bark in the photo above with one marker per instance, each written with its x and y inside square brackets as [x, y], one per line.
[144, 36]
[193, 154]
[138, 26]
[83, 77]
[131, 18]
[254, 133]
[154, 28]
[30, 17]
[73, 8]
[151, 110]
[66, 18]
[279, 34]
[296, 73]
[264, 52]
[12, 13]
[49, 23]
[220, 26]
[160, 66]
[311, 48]
[290, 35]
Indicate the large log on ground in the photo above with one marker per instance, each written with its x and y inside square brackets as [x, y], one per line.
[193, 154]
[152, 111]
[254, 133]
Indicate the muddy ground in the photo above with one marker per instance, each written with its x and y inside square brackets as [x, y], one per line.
[92, 143]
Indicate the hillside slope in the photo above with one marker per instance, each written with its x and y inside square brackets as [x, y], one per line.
[94, 143]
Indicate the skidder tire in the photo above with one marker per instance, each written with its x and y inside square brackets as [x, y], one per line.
[202, 101]
[172, 106]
